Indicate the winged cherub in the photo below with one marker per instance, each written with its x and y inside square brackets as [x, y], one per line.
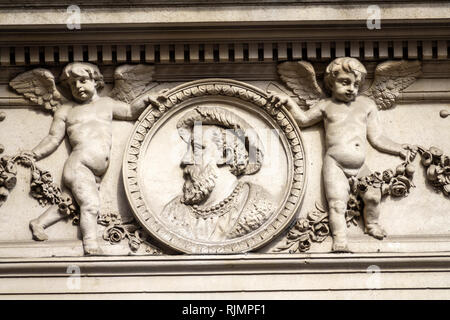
[87, 120]
[350, 120]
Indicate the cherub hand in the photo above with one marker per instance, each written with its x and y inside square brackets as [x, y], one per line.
[279, 100]
[158, 99]
[409, 152]
[27, 156]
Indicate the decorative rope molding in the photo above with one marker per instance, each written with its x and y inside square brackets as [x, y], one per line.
[224, 52]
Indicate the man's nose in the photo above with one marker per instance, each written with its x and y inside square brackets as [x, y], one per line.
[188, 158]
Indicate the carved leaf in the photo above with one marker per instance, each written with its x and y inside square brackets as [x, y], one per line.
[391, 78]
[38, 86]
[131, 81]
[301, 78]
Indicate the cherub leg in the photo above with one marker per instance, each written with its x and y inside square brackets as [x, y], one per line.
[372, 198]
[337, 192]
[84, 187]
[49, 217]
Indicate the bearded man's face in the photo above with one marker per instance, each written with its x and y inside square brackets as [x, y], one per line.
[200, 164]
[199, 183]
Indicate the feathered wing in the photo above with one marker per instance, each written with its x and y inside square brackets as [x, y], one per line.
[391, 78]
[38, 86]
[130, 81]
[300, 77]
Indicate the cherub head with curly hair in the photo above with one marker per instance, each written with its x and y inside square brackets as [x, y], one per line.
[83, 79]
[344, 77]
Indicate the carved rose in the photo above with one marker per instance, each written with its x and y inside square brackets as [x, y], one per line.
[398, 189]
[66, 206]
[114, 234]
[304, 243]
[63, 209]
[321, 231]
[353, 203]
[362, 186]
[302, 225]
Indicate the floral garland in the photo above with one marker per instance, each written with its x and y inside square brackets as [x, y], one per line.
[8, 179]
[395, 183]
[116, 231]
[45, 191]
[438, 169]
[42, 187]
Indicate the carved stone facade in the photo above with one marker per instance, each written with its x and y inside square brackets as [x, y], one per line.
[276, 146]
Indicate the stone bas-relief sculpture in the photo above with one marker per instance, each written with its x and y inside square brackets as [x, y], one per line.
[218, 208]
[87, 120]
[215, 193]
[215, 204]
[350, 121]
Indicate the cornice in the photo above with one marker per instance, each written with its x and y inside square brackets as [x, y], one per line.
[226, 264]
[189, 3]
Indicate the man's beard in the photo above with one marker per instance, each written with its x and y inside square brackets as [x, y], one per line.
[199, 183]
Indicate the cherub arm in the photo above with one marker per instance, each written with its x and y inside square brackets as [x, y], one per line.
[55, 136]
[303, 118]
[125, 111]
[375, 134]
[309, 117]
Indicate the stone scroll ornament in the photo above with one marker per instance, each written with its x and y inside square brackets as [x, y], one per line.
[86, 118]
[191, 217]
[351, 122]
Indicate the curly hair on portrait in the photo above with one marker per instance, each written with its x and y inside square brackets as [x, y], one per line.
[235, 153]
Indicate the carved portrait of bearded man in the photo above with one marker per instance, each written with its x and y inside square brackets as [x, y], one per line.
[215, 203]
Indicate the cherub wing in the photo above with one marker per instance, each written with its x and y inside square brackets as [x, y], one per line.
[391, 77]
[130, 81]
[300, 77]
[38, 86]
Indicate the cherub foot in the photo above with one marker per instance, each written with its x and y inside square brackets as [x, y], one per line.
[340, 246]
[376, 231]
[38, 231]
[92, 248]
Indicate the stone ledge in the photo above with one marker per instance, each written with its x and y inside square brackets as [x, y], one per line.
[249, 276]
[305, 263]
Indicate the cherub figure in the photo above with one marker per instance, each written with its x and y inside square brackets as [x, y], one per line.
[87, 120]
[350, 120]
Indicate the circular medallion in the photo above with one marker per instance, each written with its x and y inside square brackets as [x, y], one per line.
[217, 169]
